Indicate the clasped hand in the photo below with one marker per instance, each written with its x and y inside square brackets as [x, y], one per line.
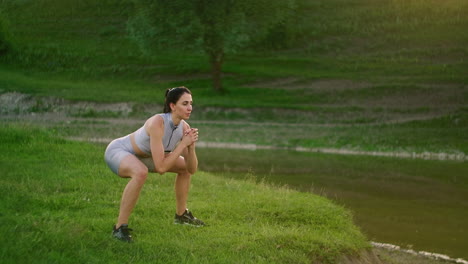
[190, 136]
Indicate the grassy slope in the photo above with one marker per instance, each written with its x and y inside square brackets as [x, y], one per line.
[59, 202]
[390, 41]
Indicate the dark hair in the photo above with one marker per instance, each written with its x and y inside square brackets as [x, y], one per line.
[173, 95]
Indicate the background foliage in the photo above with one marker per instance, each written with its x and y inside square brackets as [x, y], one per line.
[214, 27]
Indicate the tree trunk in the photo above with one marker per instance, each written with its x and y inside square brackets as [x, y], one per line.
[216, 59]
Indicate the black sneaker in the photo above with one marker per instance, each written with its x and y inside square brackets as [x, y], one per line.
[123, 233]
[188, 219]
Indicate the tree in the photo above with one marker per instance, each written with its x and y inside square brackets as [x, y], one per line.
[5, 35]
[216, 27]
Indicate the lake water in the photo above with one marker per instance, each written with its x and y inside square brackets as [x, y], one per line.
[417, 204]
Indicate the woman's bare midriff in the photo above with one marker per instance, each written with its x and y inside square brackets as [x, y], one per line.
[137, 150]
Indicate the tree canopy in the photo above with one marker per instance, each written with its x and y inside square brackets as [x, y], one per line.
[216, 27]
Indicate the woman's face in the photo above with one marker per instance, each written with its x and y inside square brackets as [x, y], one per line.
[183, 107]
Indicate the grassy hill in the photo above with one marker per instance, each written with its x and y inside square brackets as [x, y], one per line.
[60, 202]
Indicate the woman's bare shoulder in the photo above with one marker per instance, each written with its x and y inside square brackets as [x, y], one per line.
[154, 122]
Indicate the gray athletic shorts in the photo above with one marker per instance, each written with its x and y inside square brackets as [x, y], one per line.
[119, 149]
[116, 151]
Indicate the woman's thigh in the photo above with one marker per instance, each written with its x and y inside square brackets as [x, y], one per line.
[131, 166]
[179, 166]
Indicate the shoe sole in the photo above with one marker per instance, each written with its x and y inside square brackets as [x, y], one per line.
[188, 224]
[123, 240]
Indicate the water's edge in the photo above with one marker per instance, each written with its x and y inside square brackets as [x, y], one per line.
[435, 256]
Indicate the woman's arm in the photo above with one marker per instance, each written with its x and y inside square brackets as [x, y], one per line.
[191, 160]
[162, 162]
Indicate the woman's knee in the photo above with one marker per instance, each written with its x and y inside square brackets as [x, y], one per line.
[140, 174]
[133, 168]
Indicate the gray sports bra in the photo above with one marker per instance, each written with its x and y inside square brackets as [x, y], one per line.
[172, 135]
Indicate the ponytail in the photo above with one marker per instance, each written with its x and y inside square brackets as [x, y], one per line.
[172, 96]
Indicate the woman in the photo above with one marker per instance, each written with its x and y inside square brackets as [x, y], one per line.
[165, 143]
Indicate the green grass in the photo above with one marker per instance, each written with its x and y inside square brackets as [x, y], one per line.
[358, 39]
[59, 202]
